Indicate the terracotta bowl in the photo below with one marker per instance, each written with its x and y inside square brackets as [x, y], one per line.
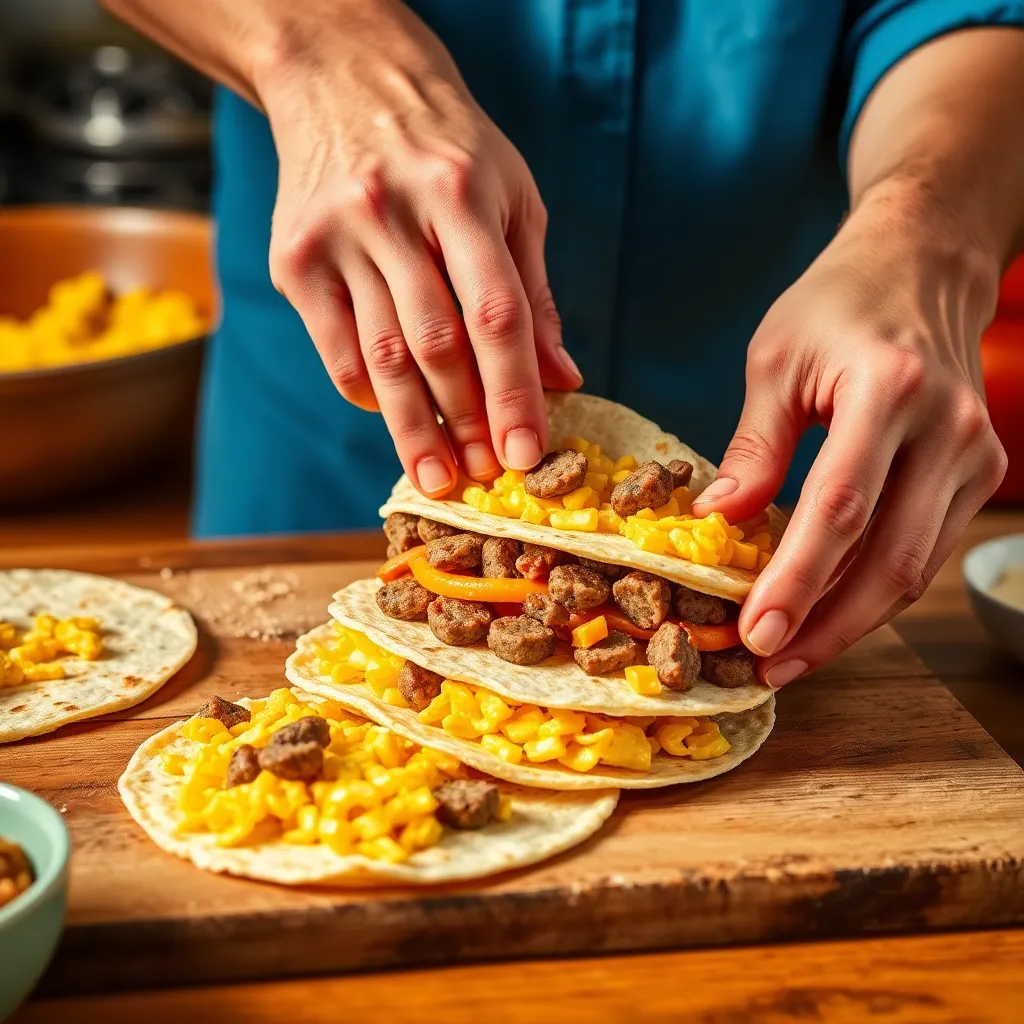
[69, 428]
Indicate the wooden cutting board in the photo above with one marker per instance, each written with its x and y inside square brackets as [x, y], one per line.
[877, 804]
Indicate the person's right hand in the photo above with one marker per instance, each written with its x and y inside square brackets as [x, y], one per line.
[392, 183]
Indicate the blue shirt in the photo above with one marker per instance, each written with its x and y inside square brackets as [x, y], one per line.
[689, 153]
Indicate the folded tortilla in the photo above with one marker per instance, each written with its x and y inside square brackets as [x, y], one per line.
[619, 431]
[745, 731]
[557, 682]
[542, 825]
[146, 639]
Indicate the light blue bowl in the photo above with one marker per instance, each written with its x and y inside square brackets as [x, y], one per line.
[30, 924]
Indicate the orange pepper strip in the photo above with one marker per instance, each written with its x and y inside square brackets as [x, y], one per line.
[703, 638]
[504, 608]
[473, 588]
[399, 565]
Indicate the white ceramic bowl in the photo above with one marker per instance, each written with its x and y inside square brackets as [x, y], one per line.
[982, 567]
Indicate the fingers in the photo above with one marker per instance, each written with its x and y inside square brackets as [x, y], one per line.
[759, 455]
[526, 246]
[436, 336]
[834, 507]
[398, 384]
[500, 325]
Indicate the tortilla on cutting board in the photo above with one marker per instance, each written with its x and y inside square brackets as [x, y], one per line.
[619, 431]
[745, 731]
[146, 639]
[542, 825]
[557, 682]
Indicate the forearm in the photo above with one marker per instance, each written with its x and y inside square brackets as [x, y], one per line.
[944, 132]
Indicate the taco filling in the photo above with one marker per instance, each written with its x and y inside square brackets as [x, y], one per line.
[37, 654]
[525, 600]
[517, 732]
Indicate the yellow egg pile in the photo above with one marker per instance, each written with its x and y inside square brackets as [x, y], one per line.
[375, 798]
[82, 321]
[667, 530]
[36, 655]
[519, 733]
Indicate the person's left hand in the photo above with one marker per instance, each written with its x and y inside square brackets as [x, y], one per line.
[879, 342]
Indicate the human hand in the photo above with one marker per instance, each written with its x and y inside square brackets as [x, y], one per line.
[393, 183]
[878, 341]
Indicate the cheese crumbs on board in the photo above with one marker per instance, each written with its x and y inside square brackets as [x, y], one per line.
[374, 795]
[669, 529]
[524, 733]
[39, 653]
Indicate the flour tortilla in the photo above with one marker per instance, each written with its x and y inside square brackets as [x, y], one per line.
[542, 825]
[557, 682]
[619, 431]
[146, 639]
[745, 731]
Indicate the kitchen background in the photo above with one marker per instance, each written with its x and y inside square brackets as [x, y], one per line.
[92, 115]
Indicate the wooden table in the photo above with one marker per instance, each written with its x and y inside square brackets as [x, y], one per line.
[966, 977]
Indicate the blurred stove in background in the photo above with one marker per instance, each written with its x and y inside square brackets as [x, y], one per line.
[109, 125]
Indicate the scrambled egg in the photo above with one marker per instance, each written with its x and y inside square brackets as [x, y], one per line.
[82, 322]
[375, 798]
[36, 655]
[668, 530]
[519, 733]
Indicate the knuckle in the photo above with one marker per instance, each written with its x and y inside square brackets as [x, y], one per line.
[416, 438]
[464, 421]
[803, 582]
[294, 253]
[845, 509]
[544, 308]
[349, 377]
[767, 357]
[903, 571]
[438, 342]
[498, 314]
[453, 177]
[750, 447]
[366, 195]
[996, 464]
[905, 376]
[970, 417]
[388, 356]
[511, 397]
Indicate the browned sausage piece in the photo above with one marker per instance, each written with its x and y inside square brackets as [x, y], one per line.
[467, 803]
[700, 609]
[643, 598]
[243, 767]
[537, 561]
[544, 610]
[520, 639]
[606, 569]
[400, 528]
[671, 654]
[731, 667]
[456, 553]
[308, 729]
[615, 651]
[298, 762]
[557, 473]
[224, 711]
[457, 622]
[576, 588]
[430, 530]
[419, 686]
[404, 599]
[681, 473]
[498, 558]
[648, 486]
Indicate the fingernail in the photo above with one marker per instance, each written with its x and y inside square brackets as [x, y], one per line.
[433, 475]
[479, 461]
[522, 449]
[768, 632]
[785, 672]
[567, 361]
[722, 487]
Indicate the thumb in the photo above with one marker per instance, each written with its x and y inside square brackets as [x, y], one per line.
[756, 461]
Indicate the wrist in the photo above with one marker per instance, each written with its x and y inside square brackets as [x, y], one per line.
[960, 258]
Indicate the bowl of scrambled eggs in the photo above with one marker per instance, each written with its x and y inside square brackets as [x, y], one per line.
[103, 315]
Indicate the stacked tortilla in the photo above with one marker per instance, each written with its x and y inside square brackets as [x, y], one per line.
[714, 692]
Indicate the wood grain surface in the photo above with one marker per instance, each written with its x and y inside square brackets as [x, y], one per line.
[878, 804]
[973, 978]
